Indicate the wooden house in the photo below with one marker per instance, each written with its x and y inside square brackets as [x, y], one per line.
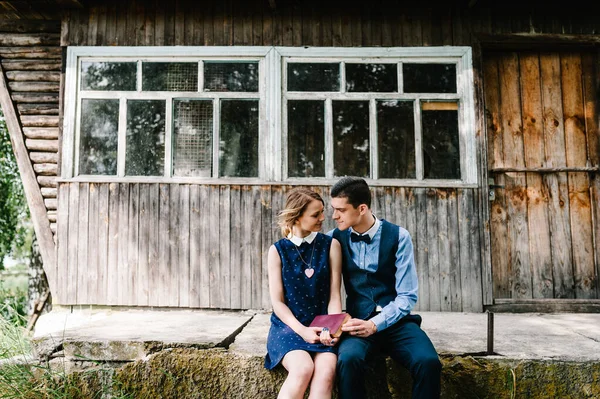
[157, 140]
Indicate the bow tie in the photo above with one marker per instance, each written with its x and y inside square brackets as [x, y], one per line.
[356, 238]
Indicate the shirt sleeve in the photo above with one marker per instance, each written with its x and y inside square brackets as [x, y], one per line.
[407, 284]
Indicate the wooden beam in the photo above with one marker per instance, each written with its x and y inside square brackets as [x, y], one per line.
[544, 306]
[31, 187]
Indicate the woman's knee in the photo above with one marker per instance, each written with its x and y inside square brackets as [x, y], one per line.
[303, 370]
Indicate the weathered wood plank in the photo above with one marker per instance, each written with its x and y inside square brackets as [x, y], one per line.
[82, 244]
[422, 248]
[37, 87]
[90, 274]
[470, 256]
[25, 97]
[183, 259]
[215, 268]
[236, 238]
[123, 245]
[537, 197]
[195, 246]
[164, 252]
[516, 194]
[546, 306]
[33, 76]
[47, 181]
[454, 252]
[153, 245]
[205, 211]
[50, 203]
[37, 109]
[145, 225]
[29, 26]
[578, 183]
[44, 133]
[92, 26]
[113, 245]
[43, 157]
[557, 183]
[224, 245]
[37, 52]
[175, 215]
[48, 192]
[45, 169]
[443, 251]
[433, 258]
[62, 245]
[103, 239]
[266, 242]
[255, 246]
[246, 265]
[133, 232]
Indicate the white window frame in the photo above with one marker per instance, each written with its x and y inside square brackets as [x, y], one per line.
[272, 97]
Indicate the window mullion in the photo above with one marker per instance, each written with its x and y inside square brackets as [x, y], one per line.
[373, 139]
[418, 141]
[400, 78]
[328, 139]
[200, 76]
[122, 137]
[139, 76]
[216, 131]
[342, 77]
[169, 137]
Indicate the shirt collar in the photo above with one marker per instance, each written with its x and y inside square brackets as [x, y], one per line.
[298, 240]
[371, 232]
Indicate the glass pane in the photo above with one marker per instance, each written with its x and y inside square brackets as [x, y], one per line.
[231, 76]
[429, 78]
[108, 76]
[145, 138]
[441, 152]
[313, 77]
[238, 146]
[396, 138]
[192, 138]
[306, 138]
[371, 78]
[98, 137]
[351, 138]
[170, 76]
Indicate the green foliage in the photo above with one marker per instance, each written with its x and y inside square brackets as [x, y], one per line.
[13, 305]
[15, 229]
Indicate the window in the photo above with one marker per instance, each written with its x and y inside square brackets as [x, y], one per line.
[401, 116]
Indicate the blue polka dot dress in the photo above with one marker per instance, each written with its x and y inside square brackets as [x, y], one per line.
[306, 297]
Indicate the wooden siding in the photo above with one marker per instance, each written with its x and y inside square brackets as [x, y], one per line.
[311, 23]
[205, 246]
[543, 152]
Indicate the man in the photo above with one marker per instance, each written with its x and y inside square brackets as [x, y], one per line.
[381, 285]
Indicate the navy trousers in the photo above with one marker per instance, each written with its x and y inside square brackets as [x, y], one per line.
[404, 342]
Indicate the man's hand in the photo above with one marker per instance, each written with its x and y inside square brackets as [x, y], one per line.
[360, 328]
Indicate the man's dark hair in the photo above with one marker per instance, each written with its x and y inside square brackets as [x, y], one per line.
[354, 189]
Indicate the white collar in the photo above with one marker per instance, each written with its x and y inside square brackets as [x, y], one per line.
[371, 232]
[298, 240]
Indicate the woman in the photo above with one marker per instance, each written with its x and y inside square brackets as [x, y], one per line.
[304, 281]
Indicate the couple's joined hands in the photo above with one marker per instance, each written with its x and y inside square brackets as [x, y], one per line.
[359, 328]
[314, 335]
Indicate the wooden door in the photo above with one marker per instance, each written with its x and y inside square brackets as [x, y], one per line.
[543, 156]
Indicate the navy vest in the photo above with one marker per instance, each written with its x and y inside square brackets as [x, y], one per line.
[365, 290]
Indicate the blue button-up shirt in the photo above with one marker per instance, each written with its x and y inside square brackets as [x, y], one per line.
[366, 257]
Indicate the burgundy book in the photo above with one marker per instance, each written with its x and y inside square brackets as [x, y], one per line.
[333, 321]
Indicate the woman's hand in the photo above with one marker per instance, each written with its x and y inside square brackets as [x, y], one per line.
[310, 334]
[326, 338]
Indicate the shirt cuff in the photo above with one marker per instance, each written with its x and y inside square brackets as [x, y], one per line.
[379, 322]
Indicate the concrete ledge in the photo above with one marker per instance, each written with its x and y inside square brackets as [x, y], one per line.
[212, 354]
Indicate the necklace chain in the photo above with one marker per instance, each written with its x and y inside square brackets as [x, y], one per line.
[308, 264]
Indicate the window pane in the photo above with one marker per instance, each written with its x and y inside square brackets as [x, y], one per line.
[371, 77]
[351, 138]
[306, 139]
[145, 138]
[396, 138]
[99, 137]
[238, 145]
[231, 76]
[170, 76]
[192, 138]
[441, 153]
[108, 75]
[313, 77]
[429, 78]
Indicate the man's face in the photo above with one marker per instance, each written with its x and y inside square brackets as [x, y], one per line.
[344, 213]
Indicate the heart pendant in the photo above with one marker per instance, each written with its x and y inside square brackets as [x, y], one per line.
[309, 272]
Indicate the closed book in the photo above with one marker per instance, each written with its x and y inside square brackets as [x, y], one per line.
[333, 321]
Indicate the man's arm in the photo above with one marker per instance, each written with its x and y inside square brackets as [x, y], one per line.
[407, 284]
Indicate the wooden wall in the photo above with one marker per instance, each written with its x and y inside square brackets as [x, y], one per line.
[187, 245]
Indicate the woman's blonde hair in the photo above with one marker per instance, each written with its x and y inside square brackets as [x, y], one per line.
[295, 204]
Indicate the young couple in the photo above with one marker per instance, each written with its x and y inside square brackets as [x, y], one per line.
[305, 269]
